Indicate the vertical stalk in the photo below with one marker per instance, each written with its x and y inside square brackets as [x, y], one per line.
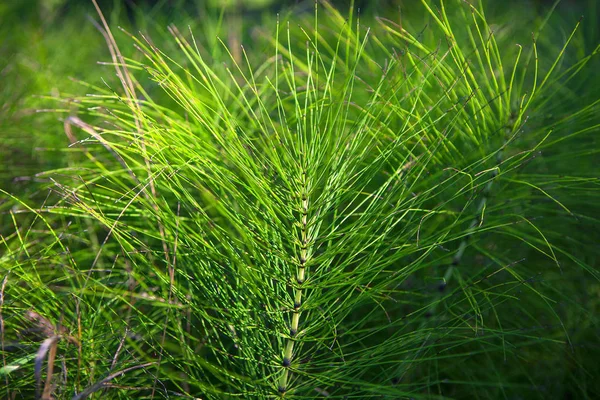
[477, 220]
[298, 290]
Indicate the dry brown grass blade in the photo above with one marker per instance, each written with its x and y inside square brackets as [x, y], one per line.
[129, 88]
[170, 299]
[43, 328]
[89, 129]
[117, 57]
[48, 345]
[100, 384]
[47, 393]
[40, 325]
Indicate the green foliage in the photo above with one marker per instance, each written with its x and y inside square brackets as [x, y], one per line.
[406, 209]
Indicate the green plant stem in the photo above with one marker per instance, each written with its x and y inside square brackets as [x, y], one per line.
[298, 291]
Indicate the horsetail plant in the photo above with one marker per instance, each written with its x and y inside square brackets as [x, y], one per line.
[366, 214]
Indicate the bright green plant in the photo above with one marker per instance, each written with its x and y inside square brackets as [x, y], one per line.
[383, 212]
